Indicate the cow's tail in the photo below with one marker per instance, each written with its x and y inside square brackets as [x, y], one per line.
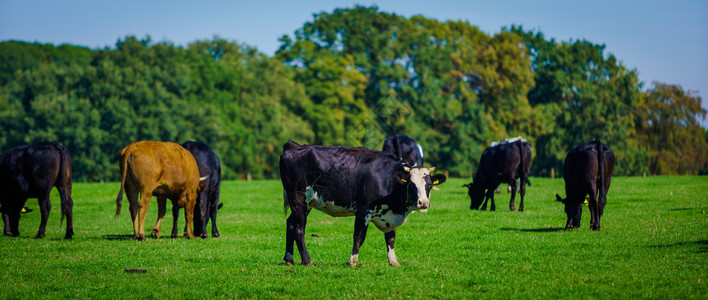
[601, 170]
[65, 181]
[524, 176]
[123, 174]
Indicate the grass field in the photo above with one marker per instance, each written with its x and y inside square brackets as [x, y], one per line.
[653, 244]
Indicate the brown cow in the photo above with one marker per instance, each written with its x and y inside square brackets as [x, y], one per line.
[163, 169]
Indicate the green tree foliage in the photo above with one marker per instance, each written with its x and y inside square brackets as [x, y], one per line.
[350, 77]
[447, 84]
[667, 124]
[239, 102]
[586, 95]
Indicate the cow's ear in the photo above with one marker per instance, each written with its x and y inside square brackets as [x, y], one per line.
[559, 199]
[438, 178]
[402, 176]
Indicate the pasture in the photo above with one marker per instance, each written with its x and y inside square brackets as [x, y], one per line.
[653, 244]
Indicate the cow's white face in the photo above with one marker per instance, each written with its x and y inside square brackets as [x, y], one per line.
[420, 177]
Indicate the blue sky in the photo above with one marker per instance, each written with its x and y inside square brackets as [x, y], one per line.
[665, 41]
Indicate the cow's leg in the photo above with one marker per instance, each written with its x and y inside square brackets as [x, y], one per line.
[175, 218]
[6, 223]
[486, 198]
[14, 220]
[594, 213]
[512, 204]
[189, 213]
[131, 192]
[203, 214]
[161, 210]
[289, 240]
[140, 224]
[390, 239]
[44, 207]
[360, 226]
[490, 195]
[578, 212]
[11, 216]
[522, 192]
[296, 233]
[213, 208]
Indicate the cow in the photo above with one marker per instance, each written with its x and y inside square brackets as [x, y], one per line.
[404, 148]
[372, 186]
[502, 162]
[587, 170]
[30, 171]
[208, 198]
[162, 169]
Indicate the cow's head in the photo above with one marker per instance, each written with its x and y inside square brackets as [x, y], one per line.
[476, 193]
[572, 210]
[418, 182]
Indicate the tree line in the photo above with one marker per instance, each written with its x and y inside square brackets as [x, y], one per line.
[350, 77]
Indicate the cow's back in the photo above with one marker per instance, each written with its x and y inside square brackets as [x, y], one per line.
[345, 171]
[31, 169]
[163, 164]
[582, 163]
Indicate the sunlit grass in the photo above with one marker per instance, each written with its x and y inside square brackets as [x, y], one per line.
[653, 244]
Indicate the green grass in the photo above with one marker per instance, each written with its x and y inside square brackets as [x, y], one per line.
[653, 244]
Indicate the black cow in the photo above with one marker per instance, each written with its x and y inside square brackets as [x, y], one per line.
[587, 170]
[501, 162]
[373, 186]
[30, 171]
[405, 148]
[208, 198]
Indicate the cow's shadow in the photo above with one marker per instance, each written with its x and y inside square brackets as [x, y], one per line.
[533, 229]
[117, 237]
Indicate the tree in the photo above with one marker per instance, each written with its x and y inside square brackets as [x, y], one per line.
[667, 121]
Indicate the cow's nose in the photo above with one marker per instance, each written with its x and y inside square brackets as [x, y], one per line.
[423, 204]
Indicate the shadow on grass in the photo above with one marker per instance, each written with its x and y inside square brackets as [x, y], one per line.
[703, 245]
[534, 229]
[117, 237]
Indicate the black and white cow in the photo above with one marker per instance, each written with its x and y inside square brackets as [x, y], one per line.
[587, 171]
[405, 148]
[501, 162]
[208, 198]
[31, 171]
[372, 186]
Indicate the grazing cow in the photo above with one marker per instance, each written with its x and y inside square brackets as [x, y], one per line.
[405, 148]
[587, 170]
[502, 162]
[208, 198]
[373, 186]
[163, 169]
[30, 171]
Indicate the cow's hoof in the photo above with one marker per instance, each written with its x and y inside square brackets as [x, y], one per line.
[155, 234]
[308, 264]
[394, 264]
[68, 236]
[140, 237]
[595, 227]
[216, 235]
[39, 236]
[203, 235]
[8, 233]
[521, 209]
[512, 208]
[174, 236]
[351, 264]
[188, 236]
